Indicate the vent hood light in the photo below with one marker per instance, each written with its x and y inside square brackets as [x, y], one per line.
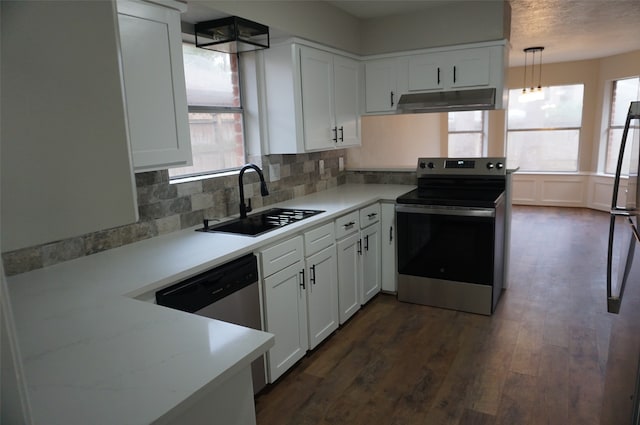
[449, 101]
[232, 35]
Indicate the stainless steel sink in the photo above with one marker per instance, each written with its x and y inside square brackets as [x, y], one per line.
[262, 222]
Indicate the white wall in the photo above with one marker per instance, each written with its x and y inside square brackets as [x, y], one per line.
[395, 141]
[313, 20]
[458, 22]
[445, 25]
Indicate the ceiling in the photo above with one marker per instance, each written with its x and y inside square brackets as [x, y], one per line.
[568, 29]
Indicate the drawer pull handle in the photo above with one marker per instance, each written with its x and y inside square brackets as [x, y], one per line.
[302, 279]
[360, 246]
[372, 215]
[349, 225]
[312, 278]
[366, 243]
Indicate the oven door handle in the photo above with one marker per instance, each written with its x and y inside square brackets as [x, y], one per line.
[458, 211]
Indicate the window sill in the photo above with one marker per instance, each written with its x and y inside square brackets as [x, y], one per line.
[178, 180]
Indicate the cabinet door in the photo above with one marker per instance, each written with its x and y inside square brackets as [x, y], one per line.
[286, 317]
[322, 295]
[347, 103]
[388, 248]
[349, 275]
[154, 84]
[470, 67]
[426, 72]
[380, 85]
[371, 277]
[316, 75]
[65, 163]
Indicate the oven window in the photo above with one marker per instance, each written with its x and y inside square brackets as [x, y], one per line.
[446, 247]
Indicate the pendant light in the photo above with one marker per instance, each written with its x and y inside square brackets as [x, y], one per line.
[530, 90]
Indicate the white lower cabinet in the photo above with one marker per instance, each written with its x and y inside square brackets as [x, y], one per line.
[286, 318]
[359, 270]
[388, 247]
[371, 271]
[300, 295]
[349, 275]
[322, 295]
[285, 304]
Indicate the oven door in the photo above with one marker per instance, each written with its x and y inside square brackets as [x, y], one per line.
[450, 256]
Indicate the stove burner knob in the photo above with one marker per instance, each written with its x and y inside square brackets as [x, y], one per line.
[422, 165]
[430, 165]
[499, 165]
[490, 165]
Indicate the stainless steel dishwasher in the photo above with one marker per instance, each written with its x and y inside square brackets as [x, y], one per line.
[229, 293]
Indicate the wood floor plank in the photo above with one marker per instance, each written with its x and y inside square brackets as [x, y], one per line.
[526, 355]
[552, 391]
[518, 400]
[471, 417]
[585, 378]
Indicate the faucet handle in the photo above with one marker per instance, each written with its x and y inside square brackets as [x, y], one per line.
[248, 209]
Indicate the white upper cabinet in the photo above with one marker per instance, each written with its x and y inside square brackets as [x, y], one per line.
[381, 88]
[448, 70]
[154, 84]
[463, 67]
[318, 115]
[312, 99]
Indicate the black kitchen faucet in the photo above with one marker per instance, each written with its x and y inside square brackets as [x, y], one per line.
[244, 209]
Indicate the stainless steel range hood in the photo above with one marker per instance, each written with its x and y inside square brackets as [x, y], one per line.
[447, 101]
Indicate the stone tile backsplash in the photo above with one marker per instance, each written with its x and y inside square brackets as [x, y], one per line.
[165, 207]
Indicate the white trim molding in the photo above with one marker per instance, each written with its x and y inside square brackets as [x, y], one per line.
[586, 190]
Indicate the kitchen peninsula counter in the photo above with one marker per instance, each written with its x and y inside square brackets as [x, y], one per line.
[94, 350]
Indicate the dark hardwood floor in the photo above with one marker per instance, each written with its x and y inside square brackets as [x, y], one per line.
[539, 359]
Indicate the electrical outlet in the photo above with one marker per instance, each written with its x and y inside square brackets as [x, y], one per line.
[274, 172]
[341, 163]
[321, 166]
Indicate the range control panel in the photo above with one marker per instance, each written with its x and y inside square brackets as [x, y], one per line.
[493, 166]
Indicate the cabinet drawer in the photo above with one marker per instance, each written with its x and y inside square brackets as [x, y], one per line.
[281, 255]
[319, 238]
[347, 224]
[369, 215]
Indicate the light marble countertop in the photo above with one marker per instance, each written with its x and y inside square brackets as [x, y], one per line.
[93, 354]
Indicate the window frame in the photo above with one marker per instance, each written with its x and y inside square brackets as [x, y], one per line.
[609, 109]
[483, 134]
[542, 130]
[218, 110]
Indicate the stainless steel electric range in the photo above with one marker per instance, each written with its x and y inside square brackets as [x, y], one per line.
[450, 246]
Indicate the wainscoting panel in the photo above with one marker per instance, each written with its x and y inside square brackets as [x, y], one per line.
[601, 189]
[524, 189]
[570, 192]
[563, 190]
